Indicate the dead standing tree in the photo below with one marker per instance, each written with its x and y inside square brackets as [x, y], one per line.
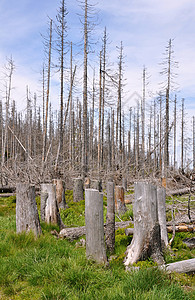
[146, 239]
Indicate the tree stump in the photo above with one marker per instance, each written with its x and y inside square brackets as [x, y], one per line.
[146, 239]
[49, 208]
[119, 200]
[27, 217]
[124, 183]
[78, 190]
[161, 198]
[95, 246]
[60, 192]
[96, 185]
[110, 218]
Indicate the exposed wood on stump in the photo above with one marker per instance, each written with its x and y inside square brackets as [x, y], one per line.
[146, 239]
[110, 218]
[119, 200]
[184, 266]
[49, 208]
[27, 217]
[161, 198]
[95, 246]
[78, 190]
[60, 192]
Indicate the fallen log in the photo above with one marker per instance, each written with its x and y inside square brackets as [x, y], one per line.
[183, 191]
[186, 228]
[6, 195]
[75, 232]
[184, 266]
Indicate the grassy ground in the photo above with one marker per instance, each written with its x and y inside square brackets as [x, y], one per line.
[48, 268]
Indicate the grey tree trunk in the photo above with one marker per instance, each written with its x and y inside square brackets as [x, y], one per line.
[146, 239]
[60, 192]
[27, 217]
[78, 190]
[49, 208]
[110, 218]
[119, 200]
[96, 184]
[184, 266]
[95, 246]
[161, 198]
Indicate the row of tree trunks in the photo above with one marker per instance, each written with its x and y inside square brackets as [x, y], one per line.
[27, 217]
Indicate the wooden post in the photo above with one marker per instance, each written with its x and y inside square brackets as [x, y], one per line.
[27, 217]
[146, 239]
[60, 192]
[49, 208]
[78, 190]
[110, 218]
[161, 198]
[119, 200]
[95, 246]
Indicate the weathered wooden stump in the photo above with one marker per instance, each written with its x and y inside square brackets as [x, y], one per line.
[27, 217]
[78, 190]
[146, 238]
[60, 192]
[96, 185]
[49, 208]
[161, 198]
[110, 218]
[95, 246]
[119, 200]
[124, 183]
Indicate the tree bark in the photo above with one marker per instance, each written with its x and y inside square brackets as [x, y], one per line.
[94, 219]
[119, 200]
[49, 208]
[161, 198]
[60, 193]
[110, 218]
[27, 217]
[78, 190]
[146, 239]
[184, 266]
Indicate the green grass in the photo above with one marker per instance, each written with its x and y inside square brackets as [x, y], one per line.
[50, 268]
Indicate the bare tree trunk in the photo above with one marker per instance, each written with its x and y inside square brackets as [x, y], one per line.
[100, 115]
[161, 198]
[60, 192]
[193, 143]
[110, 218]
[175, 124]
[119, 200]
[78, 190]
[182, 136]
[95, 246]
[146, 239]
[27, 217]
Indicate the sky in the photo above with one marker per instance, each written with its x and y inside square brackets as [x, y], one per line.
[144, 27]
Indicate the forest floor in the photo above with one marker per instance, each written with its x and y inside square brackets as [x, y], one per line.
[51, 268]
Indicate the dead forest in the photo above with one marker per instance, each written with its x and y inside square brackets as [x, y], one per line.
[93, 134]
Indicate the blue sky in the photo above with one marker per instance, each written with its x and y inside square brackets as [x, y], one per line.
[144, 26]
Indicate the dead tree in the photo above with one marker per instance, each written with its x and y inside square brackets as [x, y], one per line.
[78, 190]
[119, 200]
[94, 219]
[27, 217]
[60, 192]
[146, 239]
[110, 218]
[49, 208]
[161, 198]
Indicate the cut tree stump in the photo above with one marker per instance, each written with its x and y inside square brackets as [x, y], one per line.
[78, 189]
[49, 208]
[60, 192]
[27, 217]
[119, 200]
[110, 218]
[146, 240]
[161, 198]
[96, 184]
[94, 220]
